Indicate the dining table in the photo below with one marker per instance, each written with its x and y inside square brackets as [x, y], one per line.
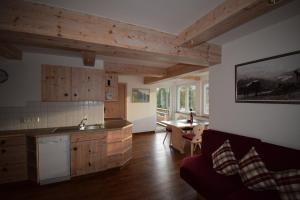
[175, 140]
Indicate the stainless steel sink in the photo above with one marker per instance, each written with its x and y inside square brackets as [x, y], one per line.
[93, 127]
[76, 128]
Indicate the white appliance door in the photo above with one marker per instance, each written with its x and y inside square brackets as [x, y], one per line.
[54, 158]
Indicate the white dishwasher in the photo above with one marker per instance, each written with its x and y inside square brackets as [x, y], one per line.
[53, 158]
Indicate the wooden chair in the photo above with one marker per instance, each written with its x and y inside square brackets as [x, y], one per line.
[195, 138]
[168, 130]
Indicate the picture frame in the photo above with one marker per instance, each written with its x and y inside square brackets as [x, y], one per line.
[140, 95]
[274, 79]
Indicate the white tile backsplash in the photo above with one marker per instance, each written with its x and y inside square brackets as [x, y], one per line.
[50, 114]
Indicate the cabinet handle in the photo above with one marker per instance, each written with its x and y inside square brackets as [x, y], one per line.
[75, 95]
[3, 151]
[75, 148]
[90, 163]
[66, 94]
[4, 169]
[88, 77]
[89, 90]
[3, 141]
[90, 151]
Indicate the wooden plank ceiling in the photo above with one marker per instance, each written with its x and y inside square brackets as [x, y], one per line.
[46, 26]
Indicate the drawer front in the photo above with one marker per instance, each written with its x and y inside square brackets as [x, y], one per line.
[114, 148]
[127, 144]
[80, 137]
[12, 173]
[114, 136]
[7, 141]
[127, 155]
[13, 154]
[127, 132]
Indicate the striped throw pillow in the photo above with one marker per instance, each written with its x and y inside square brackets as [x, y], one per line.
[288, 184]
[224, 161]
[254, 173]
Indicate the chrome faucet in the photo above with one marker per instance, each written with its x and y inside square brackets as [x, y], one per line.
[82, 123]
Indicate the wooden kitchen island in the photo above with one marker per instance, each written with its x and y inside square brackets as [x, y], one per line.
[90, 150]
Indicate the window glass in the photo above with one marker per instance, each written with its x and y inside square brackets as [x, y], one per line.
[163, 98]
[206, 99]
[182, 98]
[192, 96]
[186, 95]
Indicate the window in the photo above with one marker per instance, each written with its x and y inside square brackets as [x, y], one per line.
[206, 99]
[186, 98]
[163, 98]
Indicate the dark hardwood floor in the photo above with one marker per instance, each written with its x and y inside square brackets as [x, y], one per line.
[153, 173]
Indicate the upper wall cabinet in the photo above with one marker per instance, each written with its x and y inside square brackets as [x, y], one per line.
[61, 83]
[56, 83]
[87, 84]
[111, 87]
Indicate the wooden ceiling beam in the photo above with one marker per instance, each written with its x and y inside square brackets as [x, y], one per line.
[176, 71]
[89, 58]
[134, 69]
[43, 25]
[190, 77]
[226, 16]
[10, 52]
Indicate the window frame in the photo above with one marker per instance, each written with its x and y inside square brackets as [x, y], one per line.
[204, 86]
[187, 103]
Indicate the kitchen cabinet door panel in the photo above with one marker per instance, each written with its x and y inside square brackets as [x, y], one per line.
[56, 83]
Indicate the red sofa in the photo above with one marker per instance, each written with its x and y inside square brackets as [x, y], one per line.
[198, 172]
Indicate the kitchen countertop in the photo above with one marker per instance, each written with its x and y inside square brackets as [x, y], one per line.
[108, 125]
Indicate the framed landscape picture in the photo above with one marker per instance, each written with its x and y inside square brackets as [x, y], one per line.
[140, 95]
[270, 80]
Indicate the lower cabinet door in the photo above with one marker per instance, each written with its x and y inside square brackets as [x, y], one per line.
[87, 157]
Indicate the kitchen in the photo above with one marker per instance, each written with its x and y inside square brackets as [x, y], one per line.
[55, 151]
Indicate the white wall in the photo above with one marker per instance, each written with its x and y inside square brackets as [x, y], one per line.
[275, 123]
[142, 115]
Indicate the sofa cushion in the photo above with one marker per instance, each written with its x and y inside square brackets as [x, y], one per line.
[201, 176]
[224, 161]
[254, 173]
[212, 139]
[246, 194]
[288, 184]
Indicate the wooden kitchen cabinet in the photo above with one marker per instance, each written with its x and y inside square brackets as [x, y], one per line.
[56, 83]
[13, 159]
[119, 146]
[87, 84]
[111, 87]
[88, 153]
[61, 83]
